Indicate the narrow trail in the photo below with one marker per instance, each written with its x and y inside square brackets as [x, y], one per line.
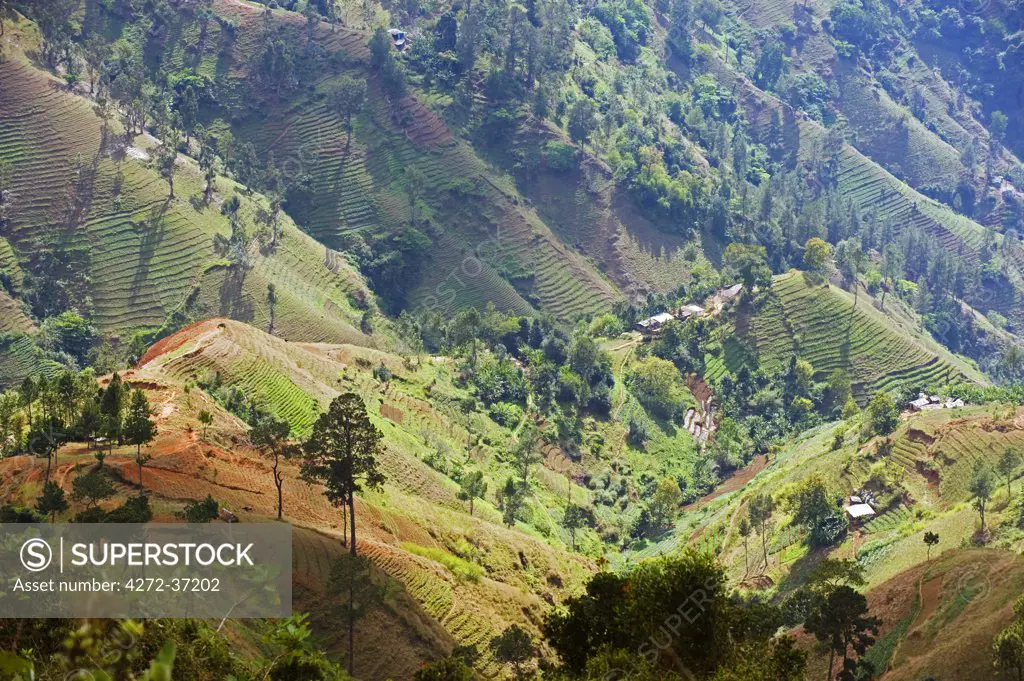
[526, 415]
[734, 482]
[629, 346]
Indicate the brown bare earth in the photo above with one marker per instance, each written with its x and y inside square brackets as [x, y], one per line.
[939, 618]
[421, 609]
[738, 480]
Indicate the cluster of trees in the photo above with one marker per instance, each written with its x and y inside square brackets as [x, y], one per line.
[520, 367]
[830, 607]
[814, 508]
[674, 617]
[671, 617]
[526, 49]
[44, 413]
[522, 56]
[762, 406]
[523, 457]
[89, 489]
[985, 479]
[521, 361]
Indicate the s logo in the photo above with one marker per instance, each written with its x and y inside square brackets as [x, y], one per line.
[36, 555]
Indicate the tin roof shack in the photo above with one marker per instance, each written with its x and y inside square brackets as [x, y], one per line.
[729, 294]
[688, 311]
[920, 403]
[650, 326]
[929, 402]
[398, 37]
[859, 513]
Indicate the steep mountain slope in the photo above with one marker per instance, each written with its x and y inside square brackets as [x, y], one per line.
[904, 113]
[487, 245]
[940, 617]
[418, 509]
[92, 227]
[821, 324]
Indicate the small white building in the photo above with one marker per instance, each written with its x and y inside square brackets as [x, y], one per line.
[920, 403]
[652, 324]
[858, 513]
[930, 402]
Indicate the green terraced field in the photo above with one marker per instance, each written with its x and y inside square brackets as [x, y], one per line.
[139, 257]
[360, 187]
[889, 521]
[19, 357]
[821, 325]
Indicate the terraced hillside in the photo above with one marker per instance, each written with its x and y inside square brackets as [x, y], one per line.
[930, 496]
[587, 208]
[925, 148]
[92, 213]
[441, 576]
[942, 448]
[821, 324]
[874, 190]
[420, 412]
[488, 246]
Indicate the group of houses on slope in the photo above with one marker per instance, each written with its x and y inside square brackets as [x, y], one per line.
[928, 402]
[699, 422]
[651, 325]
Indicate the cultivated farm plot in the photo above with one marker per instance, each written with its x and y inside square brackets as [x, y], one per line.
[134, 256]
[820, 324]
[393, 636]
[942, 447]
[890, 520]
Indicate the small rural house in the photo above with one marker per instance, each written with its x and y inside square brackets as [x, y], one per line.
[859, 513]
[727, 295]
[687, 311]
[652, 324]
